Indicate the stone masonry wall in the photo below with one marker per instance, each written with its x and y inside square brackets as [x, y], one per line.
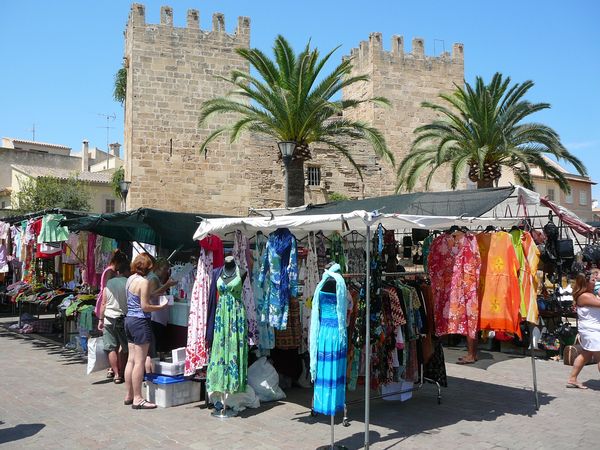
[171, 71]
[406, 79]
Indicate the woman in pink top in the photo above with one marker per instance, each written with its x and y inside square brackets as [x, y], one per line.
[118, 258]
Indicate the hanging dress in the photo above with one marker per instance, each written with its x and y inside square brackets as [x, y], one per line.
[530, 280]
[328, 345]
[196, 352]
[228, 367]
[266, 333]
[281, 264]
[454, 265]
[240, 247]
[499, 291]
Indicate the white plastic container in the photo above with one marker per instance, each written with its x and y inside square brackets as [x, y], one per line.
[170, 391]
[395, 389]
[178, 355]
[168, 368]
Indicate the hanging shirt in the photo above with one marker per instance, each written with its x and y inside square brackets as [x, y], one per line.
[51, 231]
[214, 244]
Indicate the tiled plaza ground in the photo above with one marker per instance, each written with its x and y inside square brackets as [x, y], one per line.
[47, 401]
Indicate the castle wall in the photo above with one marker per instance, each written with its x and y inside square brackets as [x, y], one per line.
[406, 80]
[171, 72]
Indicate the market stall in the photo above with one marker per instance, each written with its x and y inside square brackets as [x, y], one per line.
[330, 224]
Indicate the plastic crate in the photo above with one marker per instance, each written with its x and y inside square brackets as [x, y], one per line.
[167, 391]
[168, 368]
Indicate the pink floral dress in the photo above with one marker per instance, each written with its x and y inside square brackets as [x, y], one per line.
[454, 264]
[196, 354]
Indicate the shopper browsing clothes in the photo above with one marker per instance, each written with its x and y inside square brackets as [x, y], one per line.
[159, 285]
[113, 308]
[138, 329]
[588, 324]
[109, 272]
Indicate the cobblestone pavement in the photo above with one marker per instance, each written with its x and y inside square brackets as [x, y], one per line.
[47, 401]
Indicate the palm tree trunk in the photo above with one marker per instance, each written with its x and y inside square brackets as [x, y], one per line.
[482, 184]
[296, 182]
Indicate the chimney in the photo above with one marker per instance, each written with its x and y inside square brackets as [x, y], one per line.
[114, 149]
[85, 157]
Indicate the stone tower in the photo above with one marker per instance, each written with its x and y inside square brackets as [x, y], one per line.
[170, 72]
[406, 79]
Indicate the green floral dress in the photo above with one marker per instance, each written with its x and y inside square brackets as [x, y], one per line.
[228, 365]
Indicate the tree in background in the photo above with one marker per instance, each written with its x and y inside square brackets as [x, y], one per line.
[115, 181]
[482, 128]
[120, 87]
[48, 192]
[293, 101]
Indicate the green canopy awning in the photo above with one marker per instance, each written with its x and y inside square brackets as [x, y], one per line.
[470, 203]
[165, 229]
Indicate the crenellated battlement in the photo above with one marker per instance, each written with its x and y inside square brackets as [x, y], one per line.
[137, 19]
[372, 51]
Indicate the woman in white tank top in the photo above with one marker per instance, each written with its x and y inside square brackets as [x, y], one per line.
[588, 325]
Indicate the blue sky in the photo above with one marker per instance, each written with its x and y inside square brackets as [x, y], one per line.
[59, 57]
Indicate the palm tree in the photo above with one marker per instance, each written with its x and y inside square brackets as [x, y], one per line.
[482, 128]
[293, 101]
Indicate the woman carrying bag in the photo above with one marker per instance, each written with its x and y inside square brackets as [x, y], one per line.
[588, 313]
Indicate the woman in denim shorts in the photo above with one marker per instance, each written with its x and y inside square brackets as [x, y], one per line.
[138, 329]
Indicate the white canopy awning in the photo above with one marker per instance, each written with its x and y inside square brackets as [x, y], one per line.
[328, 223]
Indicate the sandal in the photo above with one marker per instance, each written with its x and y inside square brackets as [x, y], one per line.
[576, 386]
[110, 373]
[143, 405]
[464, 361]
[118, 380]
[128, 402]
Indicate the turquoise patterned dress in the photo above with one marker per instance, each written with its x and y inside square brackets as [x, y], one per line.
[228, 365]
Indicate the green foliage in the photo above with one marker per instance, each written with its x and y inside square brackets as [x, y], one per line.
[482, 128]
[337, 197]
[287, 103]
[47, 192]
[115, 182]
[120, 88]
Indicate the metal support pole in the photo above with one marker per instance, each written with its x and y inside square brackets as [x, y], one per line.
[368, 338]
[286, 163]
[332, 432]
[535, 390]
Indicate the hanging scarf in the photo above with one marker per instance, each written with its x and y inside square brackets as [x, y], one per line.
[340, 293]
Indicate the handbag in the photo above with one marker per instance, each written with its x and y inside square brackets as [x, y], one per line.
[573, 351]
[549, 341]
[565, 248]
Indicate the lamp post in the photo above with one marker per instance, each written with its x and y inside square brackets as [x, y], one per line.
[287, 150]
[124, 187]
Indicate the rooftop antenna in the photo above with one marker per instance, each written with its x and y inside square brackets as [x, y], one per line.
[109, 118]
[32, 132]
[443, 46]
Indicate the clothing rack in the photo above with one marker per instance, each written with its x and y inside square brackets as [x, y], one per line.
[419, 386]
[387, 274]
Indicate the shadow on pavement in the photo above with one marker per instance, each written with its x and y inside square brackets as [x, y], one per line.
[19, 432]
[464, 400]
